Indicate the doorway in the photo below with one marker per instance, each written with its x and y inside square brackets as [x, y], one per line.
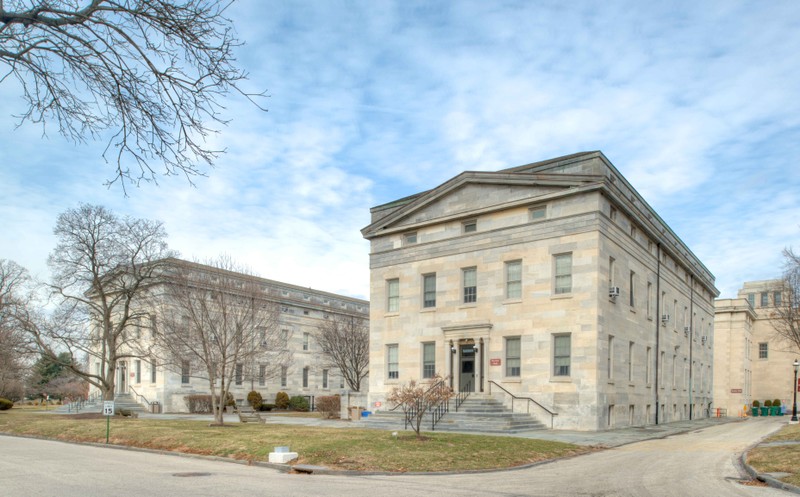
[122, 381]
[466, 379]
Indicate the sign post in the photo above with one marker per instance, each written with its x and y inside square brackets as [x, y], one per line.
[108, 411]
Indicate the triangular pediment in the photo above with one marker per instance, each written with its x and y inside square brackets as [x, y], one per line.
[473, 192]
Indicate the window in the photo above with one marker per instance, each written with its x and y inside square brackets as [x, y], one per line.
[262, 375]
[649, 300]
[285, 338]
[152, 371]
[514, 280]
[284, 376]
[776, 299]
[428, 360]
[563, 272]
[764, 299]
[751, 298]
[262, 336]
[674, 370]
[392, 369]
[305, 377]
[470, 226]
[632, 289]
[630, 361]
[325, 378]
[393, 295]
[763, 350]
[561, 355]
[305, 340]
[663, 366]
[647, 368]
[138, 364]
[675, 315]
[613, 214]
[611, 280]
[410, 238]
[429, 290]
[238, 376]
[538, 213]
[513, 356]
[610, 360]
[185, 372]
[634, 232]
[470, 276]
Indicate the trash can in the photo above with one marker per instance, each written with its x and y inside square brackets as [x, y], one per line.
[155, 408]
[355, 413]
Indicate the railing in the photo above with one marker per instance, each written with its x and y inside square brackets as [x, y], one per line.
[77, 405]
[463, 394]
[140, 398]
[437, 411]
[528, 401]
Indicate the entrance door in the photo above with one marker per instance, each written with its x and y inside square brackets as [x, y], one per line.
[466, 380]
[122, 377]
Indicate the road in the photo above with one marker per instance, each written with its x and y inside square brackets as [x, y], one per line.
[701, 463]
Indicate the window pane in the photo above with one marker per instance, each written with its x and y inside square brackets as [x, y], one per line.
[514, 279]
[470, 285]
[428, 360]
[563, 283]
[391, 359]
[513, 356]
[561, 356]
[393, 295]
[429, 290]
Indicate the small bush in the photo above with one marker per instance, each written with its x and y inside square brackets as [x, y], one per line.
[756, 403]
[282, 400]
[254, 399]
[298, 403]
[767, 403]
[5, 404]
[267, 407]
[200, 404]
[776, 403]
[329, 406]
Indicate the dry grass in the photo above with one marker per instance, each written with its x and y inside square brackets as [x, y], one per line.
[351, 449]
[779, 458]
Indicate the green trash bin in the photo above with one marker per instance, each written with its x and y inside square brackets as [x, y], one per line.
[764, 411]
[754, 412]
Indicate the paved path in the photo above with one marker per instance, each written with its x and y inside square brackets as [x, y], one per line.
[699, 463]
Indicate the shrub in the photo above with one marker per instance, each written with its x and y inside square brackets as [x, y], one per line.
[254, 399]
[281, 400]
[198, 403]
[776, 403]
[329, 406]
[767, 403]
[756, 403]
[267, 407]
[298, 403]
[5, 404]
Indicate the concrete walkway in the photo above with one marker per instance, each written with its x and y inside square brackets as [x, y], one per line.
[607, 438]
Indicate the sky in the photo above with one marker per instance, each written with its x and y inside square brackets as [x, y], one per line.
[697, 104]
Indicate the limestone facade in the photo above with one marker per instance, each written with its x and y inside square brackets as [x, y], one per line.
[554, 281]
[302, 310]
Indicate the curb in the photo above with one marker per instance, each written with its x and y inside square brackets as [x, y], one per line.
[764, 477]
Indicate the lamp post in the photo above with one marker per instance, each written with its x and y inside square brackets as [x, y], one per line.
[796, 365]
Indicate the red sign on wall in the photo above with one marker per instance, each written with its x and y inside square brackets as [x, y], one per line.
[736, 390]
[494, 362]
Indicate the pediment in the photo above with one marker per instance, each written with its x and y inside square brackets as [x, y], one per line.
[471, 197]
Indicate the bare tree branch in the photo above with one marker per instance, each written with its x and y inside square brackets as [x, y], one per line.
[785, 317]
[345, 344]
[152, 72]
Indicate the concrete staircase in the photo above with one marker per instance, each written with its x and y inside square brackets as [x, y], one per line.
[121, 401]
[478, 414]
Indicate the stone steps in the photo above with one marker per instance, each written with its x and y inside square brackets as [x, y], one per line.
[121, 401]
[477, 414]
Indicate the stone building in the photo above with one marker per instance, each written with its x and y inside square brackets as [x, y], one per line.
[751, 362]
[554, 281]
[301, 311]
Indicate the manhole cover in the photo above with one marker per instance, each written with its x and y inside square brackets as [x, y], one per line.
[189, 475]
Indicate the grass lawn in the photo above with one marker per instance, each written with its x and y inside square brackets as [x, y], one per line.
[351, 449]
[783, 458]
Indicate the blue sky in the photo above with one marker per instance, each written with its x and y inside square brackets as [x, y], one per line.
[696, 103]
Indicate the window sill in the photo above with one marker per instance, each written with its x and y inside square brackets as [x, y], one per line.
[471, 305]
[610, 382]
[512, 301]
[428, 309]
[561, 379]
[633, 310]
[561, 296]
[512, 380]
[391, 314]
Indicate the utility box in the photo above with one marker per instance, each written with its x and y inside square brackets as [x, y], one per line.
[155, 408]
[355, 413]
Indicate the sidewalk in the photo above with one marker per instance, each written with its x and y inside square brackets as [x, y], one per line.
[607, 438]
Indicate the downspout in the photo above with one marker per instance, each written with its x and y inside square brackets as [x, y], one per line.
[691, 344]
[658, 322]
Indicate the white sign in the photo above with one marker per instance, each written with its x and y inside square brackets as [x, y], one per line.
[108, 408]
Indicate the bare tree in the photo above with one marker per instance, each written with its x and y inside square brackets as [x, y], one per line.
[14, 282]
[785, 316]
[215, 320]
[152, 72]
[417, 399]
[344, 341]
[104, 268]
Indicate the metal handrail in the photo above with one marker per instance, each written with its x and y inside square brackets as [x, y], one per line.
[437, 412]
[463, 394]
[528, 399]
[140, 396]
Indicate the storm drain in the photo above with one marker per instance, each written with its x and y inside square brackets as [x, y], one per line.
[190, 474]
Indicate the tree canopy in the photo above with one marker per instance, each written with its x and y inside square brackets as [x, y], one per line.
[146, 76]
